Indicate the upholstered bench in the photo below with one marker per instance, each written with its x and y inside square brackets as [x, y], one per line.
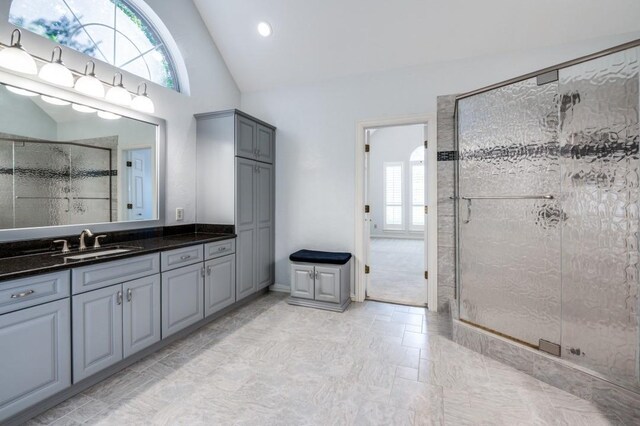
[321, 279]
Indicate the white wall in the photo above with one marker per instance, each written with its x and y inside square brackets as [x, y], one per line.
[315, 189]
[393, 144]
[212, 89]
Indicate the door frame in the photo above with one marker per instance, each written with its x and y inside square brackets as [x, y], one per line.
[431, 230]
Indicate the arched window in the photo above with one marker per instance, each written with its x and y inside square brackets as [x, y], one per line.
[113, 31]
[416, 161]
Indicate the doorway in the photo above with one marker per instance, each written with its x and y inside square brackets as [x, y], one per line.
[138, 183]
[396, 190]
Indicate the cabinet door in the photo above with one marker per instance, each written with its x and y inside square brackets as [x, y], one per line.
[245, 137]
[97, 330]
[302, 281]
[220, 284]
[265, 229]
[327, 288]
[265, 144]
[246, 283]
[245, 263]
[141, 315]
[182, 293]
[35, 360]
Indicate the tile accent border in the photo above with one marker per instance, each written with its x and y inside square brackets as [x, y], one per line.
[551, 370]
[447, 155]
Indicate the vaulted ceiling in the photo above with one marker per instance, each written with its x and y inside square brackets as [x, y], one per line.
[320, 40]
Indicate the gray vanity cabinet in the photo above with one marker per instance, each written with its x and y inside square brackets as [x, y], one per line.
[97, 330]
[37, 362]
[236, 185]
[327, 285]
[254, 226]
[182, 298]
[220, 283]
[141, 314]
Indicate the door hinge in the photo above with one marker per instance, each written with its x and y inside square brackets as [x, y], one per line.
[367, 147]
[426, 209]
[130, 206]
[367, 208]
[366, 269]
[426, 144]
[129, 164]
[549, 347]
[426, 275]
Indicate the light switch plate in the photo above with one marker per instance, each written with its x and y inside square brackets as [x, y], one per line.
[179, 213]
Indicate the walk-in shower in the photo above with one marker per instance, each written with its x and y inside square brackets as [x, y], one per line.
[548, 212]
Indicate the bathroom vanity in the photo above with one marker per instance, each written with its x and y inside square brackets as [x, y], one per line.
[67, 324]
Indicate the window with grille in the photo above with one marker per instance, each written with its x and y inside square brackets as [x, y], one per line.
[113, 31]
[393, 188]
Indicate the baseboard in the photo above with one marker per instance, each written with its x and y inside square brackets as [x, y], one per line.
[280, 288]
[419, 237]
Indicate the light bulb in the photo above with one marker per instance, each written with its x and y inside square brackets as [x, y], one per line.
[264, 29]
[142, 102]
[55, 72]
[89, 84]
[118, 94]
[82, 108]
[54, 101]
[15, 58]
[22, 92]
[108, 115]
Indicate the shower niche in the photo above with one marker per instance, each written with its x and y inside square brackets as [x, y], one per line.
[547, 220]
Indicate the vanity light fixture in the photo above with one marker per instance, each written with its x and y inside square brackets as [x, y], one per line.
[142, 102]
[82, 108]
[15, 58]
[88, 84]
[117, 93]
[21, 92]
[264, 29]
[108, 115]
[55, 72]
[54, 101]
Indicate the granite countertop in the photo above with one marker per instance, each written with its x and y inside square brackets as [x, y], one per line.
[34, 264]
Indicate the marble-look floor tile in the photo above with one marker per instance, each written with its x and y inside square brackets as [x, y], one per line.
[270, 363]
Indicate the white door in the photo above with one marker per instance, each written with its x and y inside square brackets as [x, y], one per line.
[139, 184]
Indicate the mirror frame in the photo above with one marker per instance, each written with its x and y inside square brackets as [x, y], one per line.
[28, 83]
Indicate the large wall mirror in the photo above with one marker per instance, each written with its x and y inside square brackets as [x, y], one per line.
[67, 163]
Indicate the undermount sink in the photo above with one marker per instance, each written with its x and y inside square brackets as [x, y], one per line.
[101, 253]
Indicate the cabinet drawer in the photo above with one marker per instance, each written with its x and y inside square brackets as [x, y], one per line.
[103, 274]
[177, 258]
[29, 291]
[219, 248]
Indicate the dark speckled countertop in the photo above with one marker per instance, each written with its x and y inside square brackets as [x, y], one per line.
[34, 264]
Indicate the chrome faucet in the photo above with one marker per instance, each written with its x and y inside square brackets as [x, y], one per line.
[84, 233]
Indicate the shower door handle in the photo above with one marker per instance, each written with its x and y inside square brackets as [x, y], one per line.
[468, 219]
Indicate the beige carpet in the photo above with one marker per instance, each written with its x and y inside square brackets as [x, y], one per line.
[397, 271]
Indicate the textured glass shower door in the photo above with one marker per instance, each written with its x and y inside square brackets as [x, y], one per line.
[599, 136]
[510, 277]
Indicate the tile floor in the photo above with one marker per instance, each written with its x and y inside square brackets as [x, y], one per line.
[397, 270]
[271, 363]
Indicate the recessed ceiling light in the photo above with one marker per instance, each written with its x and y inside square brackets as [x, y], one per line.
[264, 29]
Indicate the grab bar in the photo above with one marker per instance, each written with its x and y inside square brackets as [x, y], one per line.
[511, 197]
[502, 197]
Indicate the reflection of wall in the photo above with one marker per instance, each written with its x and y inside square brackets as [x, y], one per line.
[20, 116]
[391, 144]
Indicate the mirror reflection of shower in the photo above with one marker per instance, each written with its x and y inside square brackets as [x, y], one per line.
[47, 183]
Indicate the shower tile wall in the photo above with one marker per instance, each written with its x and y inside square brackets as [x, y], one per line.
[446, 222]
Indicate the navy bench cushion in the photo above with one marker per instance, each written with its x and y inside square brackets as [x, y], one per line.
[313, 256]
